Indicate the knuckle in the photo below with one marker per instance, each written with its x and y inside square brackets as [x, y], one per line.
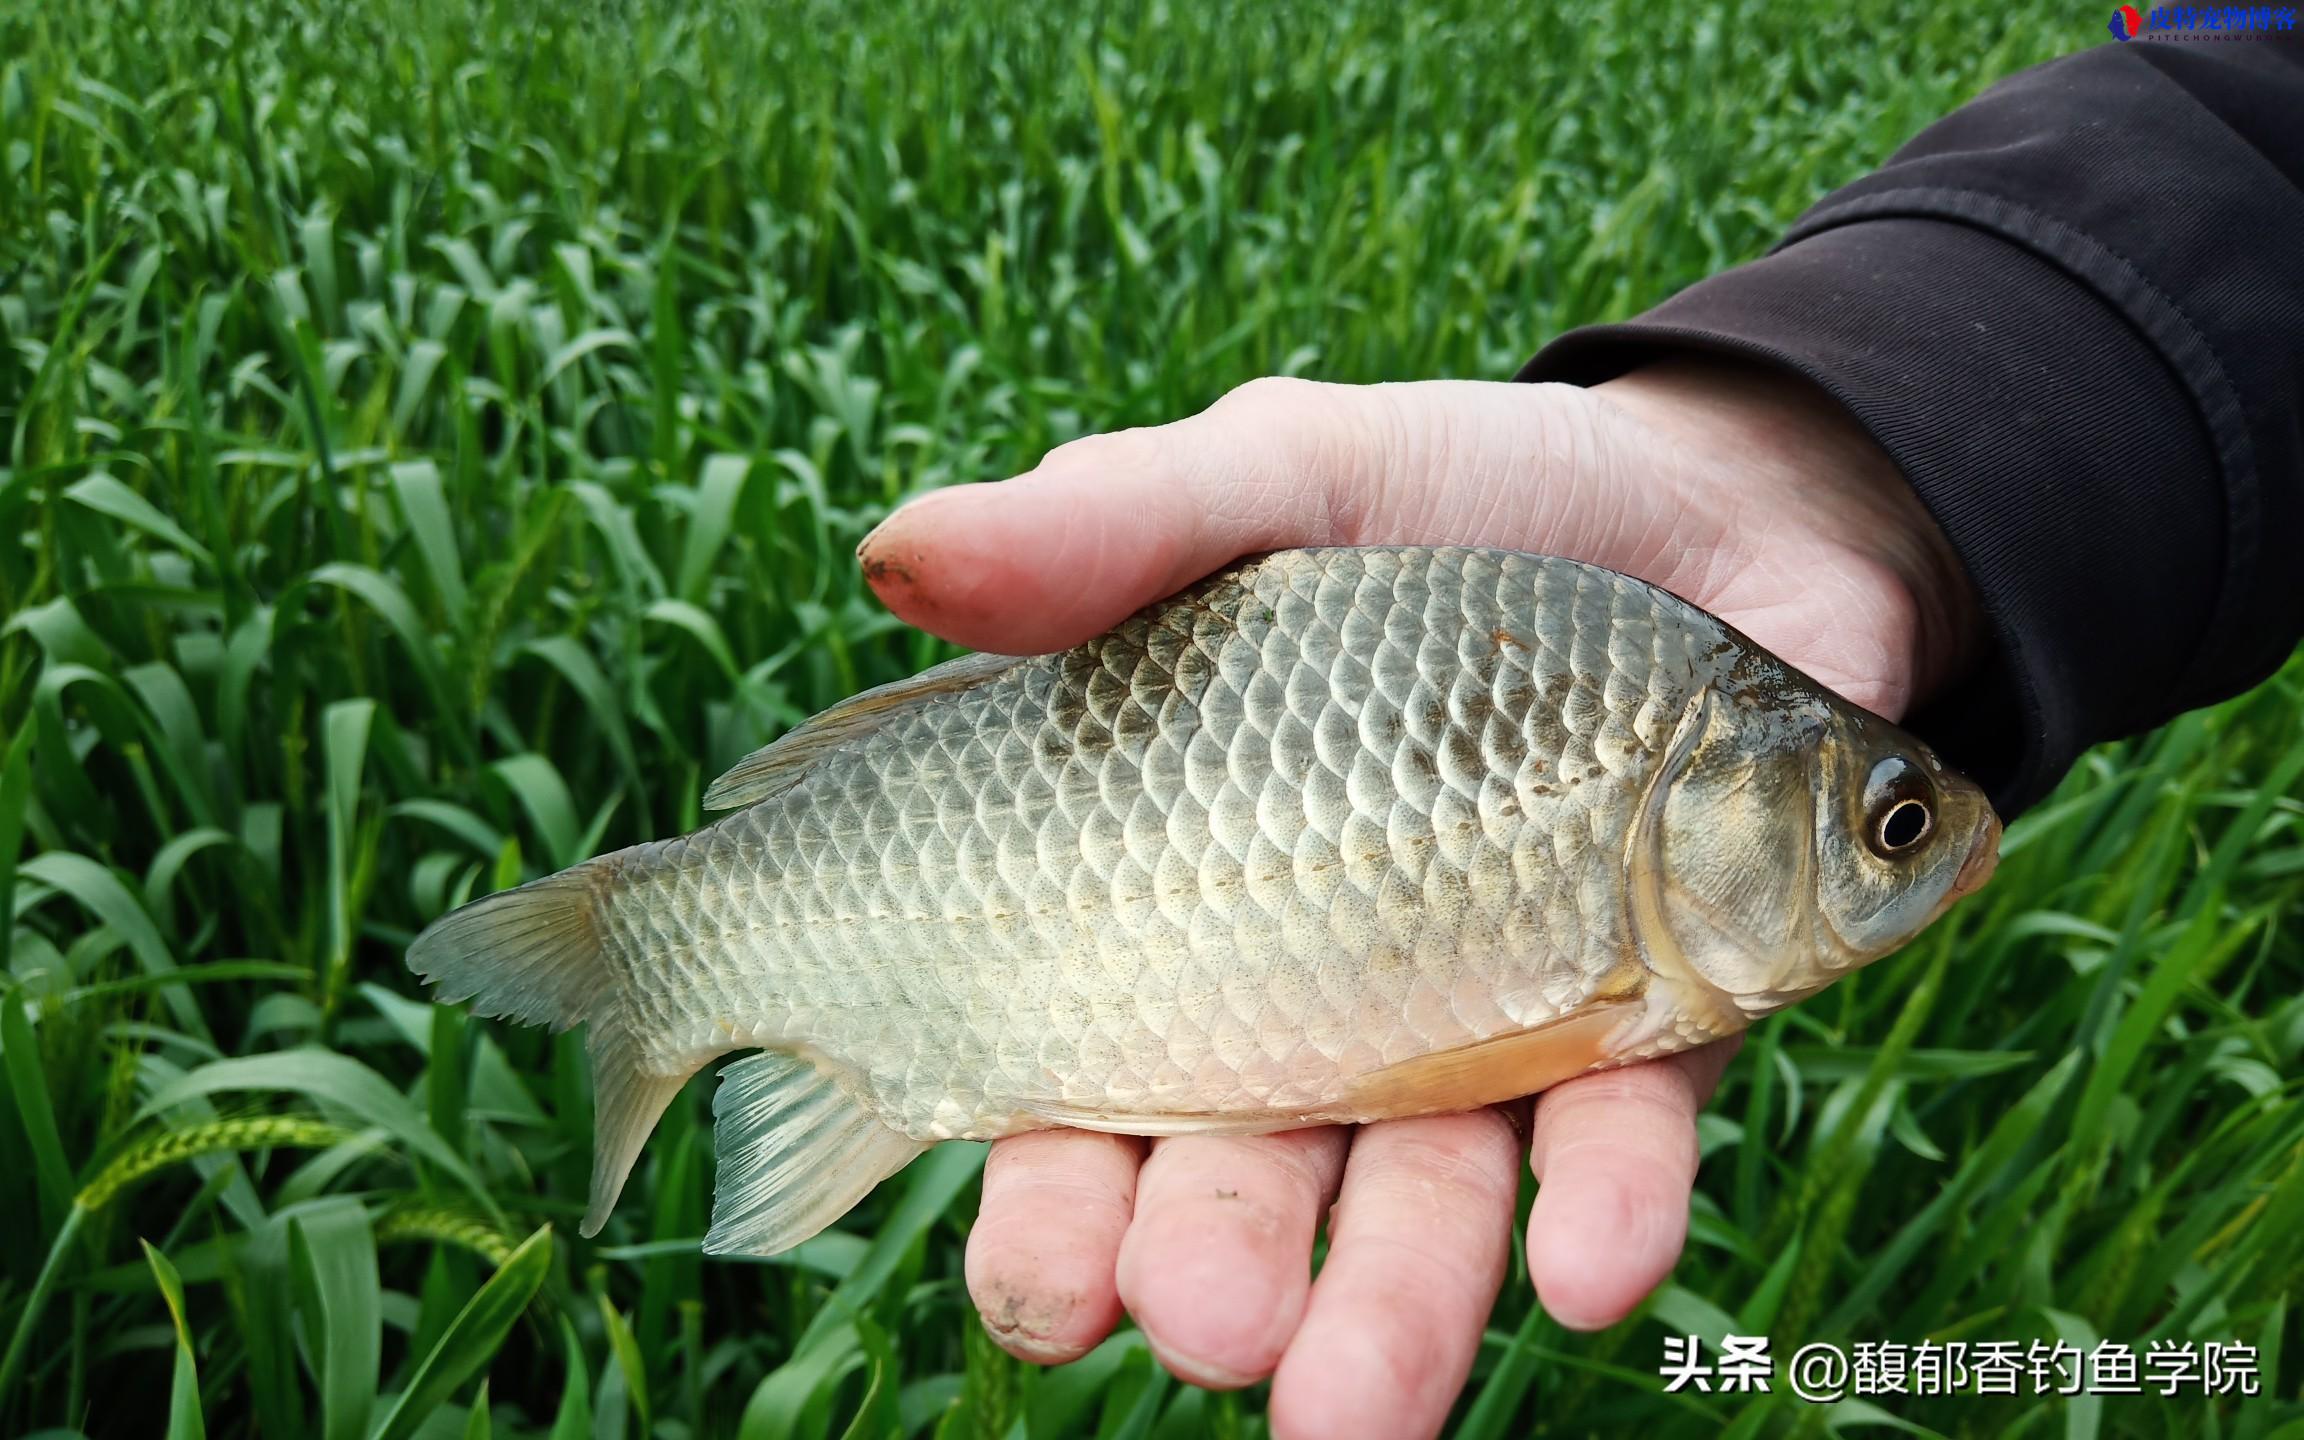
[1275, 392]
[1644, 1113]
[1451, 1171]
[1086, 1172]
[1325, 447]
[1306, 1162]
[1270, 1185]
[1453, 1286]
[1452, 1192]
[1111, 450]
[1653, 1087]
[1665, 1153]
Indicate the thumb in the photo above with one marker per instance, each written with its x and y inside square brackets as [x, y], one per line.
[1109, 523]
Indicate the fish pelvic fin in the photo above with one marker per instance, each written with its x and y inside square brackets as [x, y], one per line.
[796, 1153]
[538, 954]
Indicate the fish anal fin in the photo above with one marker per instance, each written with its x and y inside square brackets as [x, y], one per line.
[777, 767]
[796, 1153]
[627, 1101]
[1489, 1071]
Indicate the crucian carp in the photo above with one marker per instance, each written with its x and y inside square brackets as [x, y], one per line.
[1334, 835]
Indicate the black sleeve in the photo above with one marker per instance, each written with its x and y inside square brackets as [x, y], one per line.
[2073, 313]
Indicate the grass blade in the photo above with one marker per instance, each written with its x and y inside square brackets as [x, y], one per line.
[334, 1253]
[185, 1418]
[472, 1338]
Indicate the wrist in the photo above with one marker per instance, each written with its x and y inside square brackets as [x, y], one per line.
[1766, 451]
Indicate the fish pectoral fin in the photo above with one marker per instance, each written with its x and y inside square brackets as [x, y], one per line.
[778, 766]
[1489, 1071]
[796, 1153]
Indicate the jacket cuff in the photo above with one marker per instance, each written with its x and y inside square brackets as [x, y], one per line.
[2064, 459]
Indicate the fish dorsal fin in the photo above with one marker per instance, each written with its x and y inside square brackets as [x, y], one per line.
[795, 1152]
[777, 767]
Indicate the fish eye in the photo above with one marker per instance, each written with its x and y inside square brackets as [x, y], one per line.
[1904, 825]
[1899, 807]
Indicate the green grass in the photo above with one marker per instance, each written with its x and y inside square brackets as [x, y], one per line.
[436, 434]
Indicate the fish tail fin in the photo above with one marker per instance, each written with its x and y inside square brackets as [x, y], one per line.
[538, 954]
[796, 1152]
[532, 954]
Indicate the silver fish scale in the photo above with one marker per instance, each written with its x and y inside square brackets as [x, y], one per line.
[1323, 813]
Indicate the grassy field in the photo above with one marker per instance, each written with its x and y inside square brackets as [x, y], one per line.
[437, 433]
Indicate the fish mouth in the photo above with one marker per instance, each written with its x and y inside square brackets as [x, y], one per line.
[1983, 859]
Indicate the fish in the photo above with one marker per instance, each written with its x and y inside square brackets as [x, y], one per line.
[1335, 835]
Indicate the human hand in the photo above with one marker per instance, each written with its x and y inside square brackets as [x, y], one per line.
[1743, 492]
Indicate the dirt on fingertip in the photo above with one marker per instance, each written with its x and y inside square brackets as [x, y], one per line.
[1023, 1322]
